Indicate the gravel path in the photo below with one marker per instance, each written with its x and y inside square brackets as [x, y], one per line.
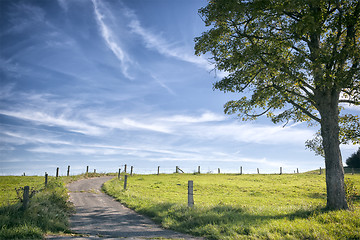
[101, 216]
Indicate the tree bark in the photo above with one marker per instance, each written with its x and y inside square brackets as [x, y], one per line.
[336, 197]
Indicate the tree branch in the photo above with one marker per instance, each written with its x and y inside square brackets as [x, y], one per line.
[258, 115]
[357, 103]
[296, 105]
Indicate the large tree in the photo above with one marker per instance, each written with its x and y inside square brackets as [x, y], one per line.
[293, 60]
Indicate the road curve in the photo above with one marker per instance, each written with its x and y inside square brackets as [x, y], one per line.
[101, 216]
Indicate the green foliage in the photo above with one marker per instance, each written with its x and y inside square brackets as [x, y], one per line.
[351, 191]
[284, 52]
[241, 206]
[354, 160]
[48, 210]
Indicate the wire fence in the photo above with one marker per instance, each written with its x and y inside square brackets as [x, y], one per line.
[67, 170]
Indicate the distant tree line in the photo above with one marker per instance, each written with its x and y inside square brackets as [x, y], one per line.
[354, 160]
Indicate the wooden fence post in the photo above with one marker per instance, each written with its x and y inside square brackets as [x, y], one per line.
[57, 172]
[177, 169]
[125, 166]
[119, 174]
[26, 197]
[190, 194]
[241, 170]
[68, 171]
[158, 170]
[46, 179]
[297, 170]
[125, 182]
[258, 171]
[131, 170]
[218, 170]
[87, 170]
[198, 169]
[94, 170]
[280, 170]
[320, 171]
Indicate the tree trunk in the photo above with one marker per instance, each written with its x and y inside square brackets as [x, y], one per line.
[336, 197]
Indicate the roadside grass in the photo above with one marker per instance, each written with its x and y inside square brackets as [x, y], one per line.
[241, 206]
[48, 210]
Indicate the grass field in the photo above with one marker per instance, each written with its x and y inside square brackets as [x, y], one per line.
[241, 206]
[9, 183]
[48, 209]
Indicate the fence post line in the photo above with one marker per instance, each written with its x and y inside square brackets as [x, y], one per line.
[241, 170]
[191, 194]
[68, 171]
[131, 170]
[297, 170]
[158, 170]
[125, 168]
[26, 197]
[177, 169]
[218, 170]
[125, 181]
[280, 170]
[57, 172]
[46, 179]
[94, 170]
[119, 174]
[198, 169]
[87, 170]
[258, 171]
[320, 171]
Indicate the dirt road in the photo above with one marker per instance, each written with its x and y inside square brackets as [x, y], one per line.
[100, 216]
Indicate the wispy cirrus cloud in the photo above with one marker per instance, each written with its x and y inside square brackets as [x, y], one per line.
[204, 117]
[24, 15]
[111, 40]
[79, 117]
[21, 137]
[43, 118]
[155, 41]
[63, 4]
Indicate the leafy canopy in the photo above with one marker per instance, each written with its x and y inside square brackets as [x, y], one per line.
[288, 55]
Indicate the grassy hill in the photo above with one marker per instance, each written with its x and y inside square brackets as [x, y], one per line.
[241, 206]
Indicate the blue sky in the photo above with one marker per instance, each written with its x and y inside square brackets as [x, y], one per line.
[107, 83]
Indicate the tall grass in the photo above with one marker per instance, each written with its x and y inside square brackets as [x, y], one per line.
[47, 211]
[241, 206]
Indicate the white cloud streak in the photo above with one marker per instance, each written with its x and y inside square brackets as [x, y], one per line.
[43, 118]
[63, 4]
[111, 41]
[154, 41]
[73, 117]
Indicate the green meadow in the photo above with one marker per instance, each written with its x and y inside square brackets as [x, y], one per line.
[288, 206]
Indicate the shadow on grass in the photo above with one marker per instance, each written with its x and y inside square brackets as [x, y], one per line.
[218, 220]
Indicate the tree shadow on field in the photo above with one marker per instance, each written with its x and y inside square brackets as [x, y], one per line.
[224, 217]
